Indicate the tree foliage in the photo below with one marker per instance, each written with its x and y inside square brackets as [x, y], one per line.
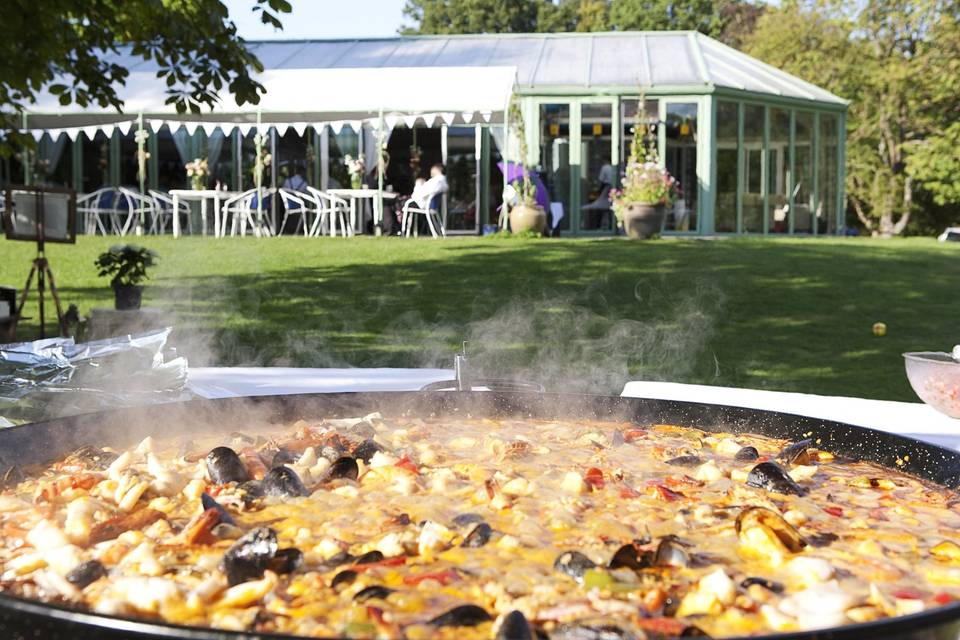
[889, 58]
[70, 47]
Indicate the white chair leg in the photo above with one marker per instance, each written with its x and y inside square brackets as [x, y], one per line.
[433, 232]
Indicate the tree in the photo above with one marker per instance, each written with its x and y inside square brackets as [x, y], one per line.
[471, 16]
[887, 57]
[65, 46]
[652, 15]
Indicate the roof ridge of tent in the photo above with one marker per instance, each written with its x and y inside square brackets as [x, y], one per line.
[485, 36]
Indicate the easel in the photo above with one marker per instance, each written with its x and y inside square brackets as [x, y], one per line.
[30, 224]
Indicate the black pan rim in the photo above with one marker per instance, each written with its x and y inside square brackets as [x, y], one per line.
[522, 401]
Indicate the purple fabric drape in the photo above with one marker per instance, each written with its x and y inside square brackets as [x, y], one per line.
[515, 172]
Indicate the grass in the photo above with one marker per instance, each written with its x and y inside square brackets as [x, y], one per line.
[786, 314]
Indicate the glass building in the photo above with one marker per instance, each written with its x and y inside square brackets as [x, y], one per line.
[756, 150]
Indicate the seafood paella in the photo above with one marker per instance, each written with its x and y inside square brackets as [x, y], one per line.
[480, 528]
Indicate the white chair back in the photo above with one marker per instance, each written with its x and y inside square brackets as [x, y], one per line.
[332, 209]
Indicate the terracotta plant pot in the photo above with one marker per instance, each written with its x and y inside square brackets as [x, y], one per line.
[127, 297]
[524, 217]
[642, 221]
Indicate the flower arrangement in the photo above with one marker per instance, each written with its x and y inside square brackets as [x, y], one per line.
[525, 188]
[197, 171]
[645, 181]
[356, 168]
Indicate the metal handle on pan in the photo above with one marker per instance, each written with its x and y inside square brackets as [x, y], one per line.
[463, 381]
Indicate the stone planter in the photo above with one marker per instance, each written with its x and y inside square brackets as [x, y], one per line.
[642, 221]
[524, 217]
[127, 296]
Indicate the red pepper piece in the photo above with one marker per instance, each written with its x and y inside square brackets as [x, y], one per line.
[443, 577]
[634, 434]
[626, 491]
[908, 593]
[389, 562]
[407, 464]
[594, 478]
[943, 598]
[834, 511]
[665, 493]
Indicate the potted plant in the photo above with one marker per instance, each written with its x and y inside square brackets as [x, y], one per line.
[126, 264]
[526, 215]
[647, 187]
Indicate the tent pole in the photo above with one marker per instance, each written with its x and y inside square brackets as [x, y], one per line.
[259, 139]
[27, 154]
[505, 154]
[378, 210]
[141, 168]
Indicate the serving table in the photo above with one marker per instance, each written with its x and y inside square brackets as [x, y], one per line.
[202, 196]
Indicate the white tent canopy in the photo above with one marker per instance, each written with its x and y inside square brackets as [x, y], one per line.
[301, 97]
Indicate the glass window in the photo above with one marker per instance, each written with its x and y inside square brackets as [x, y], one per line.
[218, 150]
[827, 184]
[753, 152]
[597, 174]
[461, 171]
[779, 171]
[555, 157]
[681, 162]
[803, 191]
[628, 119]
[171, 173]
[340, 145]
[728, 154]
[96, 162]
[54, 164]
[292, 151]
[128, 160]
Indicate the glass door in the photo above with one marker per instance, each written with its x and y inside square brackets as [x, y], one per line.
[597, 171]
[462, 161]
[681, 161]
[555, 162]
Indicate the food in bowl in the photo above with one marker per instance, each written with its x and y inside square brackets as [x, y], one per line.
[480, 528]
[935, 378]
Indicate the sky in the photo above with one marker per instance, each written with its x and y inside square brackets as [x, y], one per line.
[322, 19]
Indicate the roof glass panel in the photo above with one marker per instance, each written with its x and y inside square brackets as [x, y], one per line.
[419, 53]
[619, 60]
[317, 55]
[367, 53]
[671, 60]
[520, 52]
[564, 61]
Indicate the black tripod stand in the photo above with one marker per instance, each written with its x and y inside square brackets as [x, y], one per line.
[41, 268]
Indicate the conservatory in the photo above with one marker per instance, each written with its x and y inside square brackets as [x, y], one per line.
[756, 150]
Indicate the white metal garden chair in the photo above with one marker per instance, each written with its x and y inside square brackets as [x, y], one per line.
[163, 212]
[297, 203]
[93, 207]
[241, 212]
[432, 212]
[331, 209]
[130, 208]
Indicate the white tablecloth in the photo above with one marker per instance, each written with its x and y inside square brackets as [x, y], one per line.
[907, 418]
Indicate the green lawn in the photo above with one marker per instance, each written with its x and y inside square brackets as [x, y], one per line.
[776, 314]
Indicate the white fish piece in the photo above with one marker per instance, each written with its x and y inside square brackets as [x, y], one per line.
[79, 519]
[433, 536]
[818, 606]
[118, 466]
[247, 593]
[64, 559]
[166, 481]
[147, 595]
[55, 583]
[9, 504]
[46, 536]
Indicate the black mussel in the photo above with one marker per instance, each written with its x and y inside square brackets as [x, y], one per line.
[86, 573]
[283, 481]
[685, 461]
[822, 539]
[369, 557]
[339, 558]
[478, 536]
[249, 556]
[747, 454]
[670, 553]
[283, 456]
[466, 615]
[209, 503]
[694, 632]
[573, 564]
[95, 457]
[772, 477]
[363, 430]
[224, 465]
[465, 519]
[343, 578]
[515, 627]
[769, 585]
[286, 561]
[796, 453]
[773, 524]
[252, 490]
[630, 557]
[365, 450]
[344, 467]
[369, 593]
[331, 452]
[598, 631]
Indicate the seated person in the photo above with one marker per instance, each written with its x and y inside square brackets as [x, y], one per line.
[297, 181]
[436, 185]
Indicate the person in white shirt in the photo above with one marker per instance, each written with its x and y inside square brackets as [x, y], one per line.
[424, 193]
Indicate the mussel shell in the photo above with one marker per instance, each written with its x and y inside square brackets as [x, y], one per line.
[515, 627]
[670, 553]
[369, 593]
[747, 454]
[366, 450]
[796, 453]
[286, 561]
[822, 539]
[369, 557]
[344, 578]
[344, 467]
[466, 615]
[630, 557]
[283, 482]
[283, 456]
[224, 465]
[772, 477]
[597, 631]
[249, 556]
[685, 461]
[339, 558]
[769, 585]
[207, 501]
[573, 564]
[478, 536]
[465, 519]
[783, 530]
[86, 573]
